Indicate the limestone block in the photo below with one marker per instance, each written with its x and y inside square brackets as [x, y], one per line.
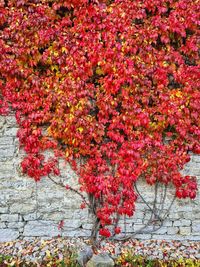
[196, 158]
[9, 217]
[30, 217]
[6, 141]
[185, 230]
[11, 121]
[196, 226]
[6, 169]
[100, 260]
[87, 226]
[11, 131]
[7, 235]
[84, 255]
[15, 225]
[162, 230]
[182, 222]
[167, 223]
[69, 223]
[53, 216]
[41, 228]
[193, 215]
[143, 236]
[138, 226]
[6, 151]
[2, 225]
[78, 232]
[172, 230]
[23, 208]
[2, 121]
[4, 209]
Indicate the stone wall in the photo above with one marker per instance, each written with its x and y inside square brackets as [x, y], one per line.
[29, 209]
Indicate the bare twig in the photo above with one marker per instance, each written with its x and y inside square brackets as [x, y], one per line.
[70, 188]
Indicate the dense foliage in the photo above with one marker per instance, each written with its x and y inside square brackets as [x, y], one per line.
[112, 83]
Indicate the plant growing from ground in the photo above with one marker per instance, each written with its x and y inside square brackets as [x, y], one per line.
[110, 86]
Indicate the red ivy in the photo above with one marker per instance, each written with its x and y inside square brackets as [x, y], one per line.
[115, 82]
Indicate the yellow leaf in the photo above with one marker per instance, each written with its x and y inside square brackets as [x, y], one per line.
[165, 63]
[99, 71]
[179, 94]
[48, 253]
[80, 129]
[64, 49]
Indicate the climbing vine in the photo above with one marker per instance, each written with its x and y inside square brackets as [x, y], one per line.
[110, 86]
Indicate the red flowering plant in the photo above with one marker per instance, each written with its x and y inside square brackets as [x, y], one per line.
[110, 81]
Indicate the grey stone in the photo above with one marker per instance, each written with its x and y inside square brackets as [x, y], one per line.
[143, 236]
[196, 226]
[11, 131]
[10, 121]
[6, 152]
[162, 230]
[16, 225]
[100, 260]
[84, 255]
[6, 170]
[172, 230]
[2, 121]
[3, 209]
[30, 217]
[87, 226]
[138, 226]
[23, 208]
[182, 222]
[41, 228]
[9, 217]
[6, 141]
[185, 230]
[7, 235]
[76, 233]
[2, 225]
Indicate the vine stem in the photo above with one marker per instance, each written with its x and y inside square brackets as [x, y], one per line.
[153, 210]
[71, 189]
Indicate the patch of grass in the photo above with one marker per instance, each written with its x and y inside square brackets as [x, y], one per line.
[128, 259]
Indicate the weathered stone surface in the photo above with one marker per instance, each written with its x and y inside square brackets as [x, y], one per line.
[7, 170]
[185, 230]
[11, 131]
[7, 235]
[6, 141]
[2, 121]
[23, 208]
[100, 260]
[6, 151]
[76, 232]
[84, 255]
[2, 225]
[9, 217]
[16, 225]
[3, 209]
[172, 230]
[196, 226]
[38, 208]
[41, 228]
[182, 223]
[30, 217]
